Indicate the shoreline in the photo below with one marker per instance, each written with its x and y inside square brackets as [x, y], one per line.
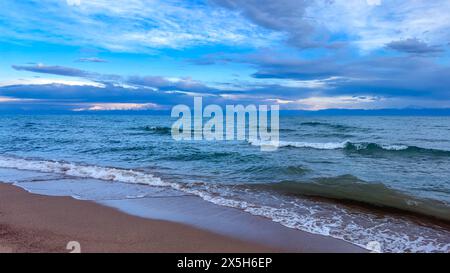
[38, 223]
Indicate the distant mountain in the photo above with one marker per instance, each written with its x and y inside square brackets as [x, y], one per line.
[326, 112]
[372, 112]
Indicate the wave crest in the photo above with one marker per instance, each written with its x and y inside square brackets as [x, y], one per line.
[361, 147]
[83, 171]
[351, 189]
[338, 127]
[314, 223]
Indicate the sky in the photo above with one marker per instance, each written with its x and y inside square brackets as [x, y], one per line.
[100, 55]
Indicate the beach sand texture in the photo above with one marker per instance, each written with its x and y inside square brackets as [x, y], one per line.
[36, 223]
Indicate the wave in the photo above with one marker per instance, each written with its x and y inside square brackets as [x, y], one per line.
[160, 130]
[348, 188]
[83, 171]
[397, 148]
[291, 169]
[313, 222]
[213, 156]
[117, 149]
[294, 144]
[338, 127]
[361, 147]
[329, 135]
[285, 130]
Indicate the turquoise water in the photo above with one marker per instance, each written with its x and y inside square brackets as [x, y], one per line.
[359, 179]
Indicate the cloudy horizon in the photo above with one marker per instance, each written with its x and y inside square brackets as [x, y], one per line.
[99, 55]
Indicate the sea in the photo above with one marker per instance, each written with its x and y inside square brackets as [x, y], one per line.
[361, 179]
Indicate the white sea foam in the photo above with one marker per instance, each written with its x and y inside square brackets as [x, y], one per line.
[395, 147]
[85, 171]
[328, 145]
[314, 145]
[311, 220]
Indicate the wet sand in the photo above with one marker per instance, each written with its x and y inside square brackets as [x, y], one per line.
[37, 223]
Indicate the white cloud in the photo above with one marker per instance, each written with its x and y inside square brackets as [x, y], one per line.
[337, 102]
[73, 2]
[190, 94]
[118, 107]
[44, 81]
[312, 84]
[373, 2]
[10, 99]
[280, 101]
[371, 24]
[143, 25]
[132, 25]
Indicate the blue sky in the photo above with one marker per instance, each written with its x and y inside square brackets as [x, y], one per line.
[99, 55]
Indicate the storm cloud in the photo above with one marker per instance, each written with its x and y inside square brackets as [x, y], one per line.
[414, 46]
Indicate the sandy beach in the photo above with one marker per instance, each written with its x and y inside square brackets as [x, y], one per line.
[36, 223]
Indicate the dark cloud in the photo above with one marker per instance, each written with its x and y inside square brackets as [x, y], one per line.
[396, 76]
[282, 15]
[414, 46]
[67, 97]
[278, 77]
[55, 70]
[161, 83]
[64, 95]
[116, 89]
[88, 94]
[382, 76]
[155, 82]
[299, 69]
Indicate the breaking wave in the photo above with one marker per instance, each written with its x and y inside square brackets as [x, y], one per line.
[362, 147]
[159, 130]
[375, 195]
[311, 217]
[338, 127]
